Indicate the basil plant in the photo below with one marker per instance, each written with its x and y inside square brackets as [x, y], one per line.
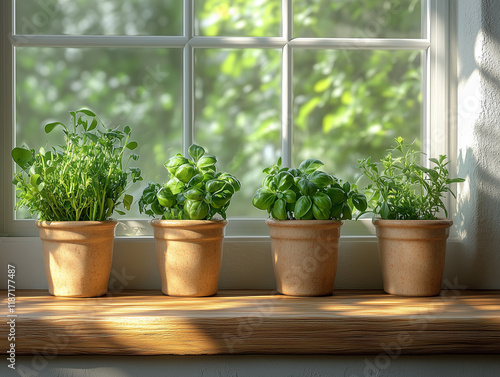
[306, 193]
[195, 190]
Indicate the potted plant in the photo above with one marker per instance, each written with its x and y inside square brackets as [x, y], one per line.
[306, 208]
[192, 205]
[74, 189]
[406, 198]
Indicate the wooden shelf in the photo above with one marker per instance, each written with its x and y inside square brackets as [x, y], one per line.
[255, 322]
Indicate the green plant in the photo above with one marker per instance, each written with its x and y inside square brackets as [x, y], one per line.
[195, 190]
[84, 179]
[306, 193]
[402, 189]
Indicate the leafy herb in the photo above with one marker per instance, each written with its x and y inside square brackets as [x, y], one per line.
[85, 179]
[402, 189]
[195, 190]
[306, 193]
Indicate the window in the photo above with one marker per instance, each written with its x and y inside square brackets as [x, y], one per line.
[249, 80]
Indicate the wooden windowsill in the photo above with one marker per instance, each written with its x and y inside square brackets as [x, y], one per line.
[255, 322]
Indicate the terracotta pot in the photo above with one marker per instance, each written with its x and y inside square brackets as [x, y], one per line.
[77, 256]
[412, 255]
[189, 255]
[305, 254]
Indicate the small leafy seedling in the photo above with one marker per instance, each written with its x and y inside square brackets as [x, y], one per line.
[84, 179]
[195, 190]
[403, 189]
[306, 193]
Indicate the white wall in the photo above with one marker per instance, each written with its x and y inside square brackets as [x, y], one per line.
[478, 126]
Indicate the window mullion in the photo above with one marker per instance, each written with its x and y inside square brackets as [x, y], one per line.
[287, 83]
[187, 77]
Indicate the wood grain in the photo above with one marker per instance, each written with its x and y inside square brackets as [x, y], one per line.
[255, 322]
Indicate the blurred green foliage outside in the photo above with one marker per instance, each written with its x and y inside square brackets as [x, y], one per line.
[347, 103]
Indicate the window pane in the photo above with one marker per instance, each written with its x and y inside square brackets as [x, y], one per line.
[237, 115]
[357, 19]
[258, 18]
[353, 104]
[107, 17]
[140, 88]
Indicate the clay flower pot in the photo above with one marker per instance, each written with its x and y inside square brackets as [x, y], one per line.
[77, 256]
[305, 254]
[412, 255]
[189, 255]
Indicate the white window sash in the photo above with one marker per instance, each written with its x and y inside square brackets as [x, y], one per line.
[435, 79]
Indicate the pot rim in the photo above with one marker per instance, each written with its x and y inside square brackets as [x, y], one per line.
[377, 221]
[302, 223]
[158, 223]
[74, 224]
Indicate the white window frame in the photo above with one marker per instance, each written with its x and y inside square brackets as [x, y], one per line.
[435, 92]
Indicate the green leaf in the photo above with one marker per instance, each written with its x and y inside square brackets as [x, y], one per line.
[173, 163]
[166, 198]
[92, 136]
[206, 162]
[185, 172]
[263, 198]
[111, 205]
[132, 145]
[284, 180]
[234, 182]
[175, 186]
[157, 208]
[215, 185]
[279, 210]
[289, 196]
[336, 211]
[92, 125]
[35, 180]
[192, 194]
[384, 210]
[347, 187]
[359, 201]
[320, 213]
[196, 181]
[196, 210]
[127, 130]
[196, 152]
[310, 165]
[219, 200]
[86, 112]
[23, 157]
[50, 126]
[306, 187]
[337, 195]
[127, 201]
[302, 206]
[323, 202]
[321, 179]
[269, 183]
[455, 180]
[346, 213]
[434, 160]
[309, 215]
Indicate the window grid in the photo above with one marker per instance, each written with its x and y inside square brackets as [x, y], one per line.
[432, 44]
